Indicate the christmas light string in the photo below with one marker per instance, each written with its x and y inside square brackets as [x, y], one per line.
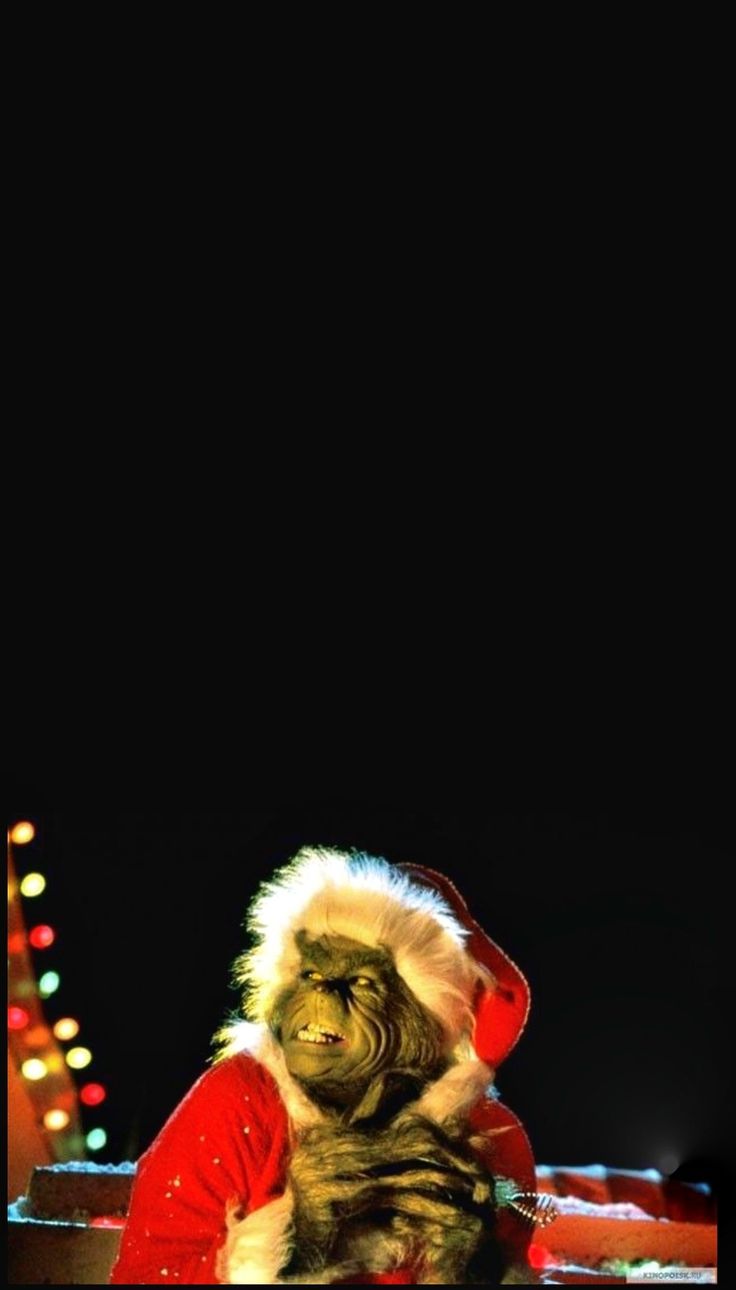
[35, 1046]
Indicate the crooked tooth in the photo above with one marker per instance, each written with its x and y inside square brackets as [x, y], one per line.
[316, 1028]
[313, 1034]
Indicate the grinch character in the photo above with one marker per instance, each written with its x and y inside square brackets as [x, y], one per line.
[347, 1131]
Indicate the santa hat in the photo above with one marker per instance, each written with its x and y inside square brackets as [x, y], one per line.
[454, 969]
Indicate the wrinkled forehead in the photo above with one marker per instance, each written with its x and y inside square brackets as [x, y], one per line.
[341, 954]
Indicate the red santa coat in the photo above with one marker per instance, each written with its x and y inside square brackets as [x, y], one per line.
[229, 1141]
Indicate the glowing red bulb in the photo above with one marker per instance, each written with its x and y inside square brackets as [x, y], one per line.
[92, 1094]
[16, 943]
[538, 1256]
[42, 936]
[17, 1018]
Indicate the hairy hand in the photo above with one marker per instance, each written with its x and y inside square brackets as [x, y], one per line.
[411, 1170]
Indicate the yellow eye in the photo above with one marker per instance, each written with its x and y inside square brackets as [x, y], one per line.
[313, 976]
[362, 980]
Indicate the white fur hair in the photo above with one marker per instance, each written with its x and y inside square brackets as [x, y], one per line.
[324, 891]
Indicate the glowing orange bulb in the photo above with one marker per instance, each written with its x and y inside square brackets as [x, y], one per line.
[22, 832]
[38, 1036]
[42, 936]
[66, 1028]
[17, 1018]
[56, 1119]
[16, 943]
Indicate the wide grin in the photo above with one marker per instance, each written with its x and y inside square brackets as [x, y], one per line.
[313, 1033]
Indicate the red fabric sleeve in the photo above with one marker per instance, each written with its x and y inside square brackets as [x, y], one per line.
[224, 1142]
[507, 1154]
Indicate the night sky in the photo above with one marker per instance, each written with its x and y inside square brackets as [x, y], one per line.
[614, 918]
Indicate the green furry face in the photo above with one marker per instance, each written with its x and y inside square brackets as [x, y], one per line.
[348, 1018]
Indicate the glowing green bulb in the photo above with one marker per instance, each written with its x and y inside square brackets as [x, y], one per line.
[49, 984]
[96, 1139]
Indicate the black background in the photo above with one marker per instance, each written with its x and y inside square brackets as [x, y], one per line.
[615, 917]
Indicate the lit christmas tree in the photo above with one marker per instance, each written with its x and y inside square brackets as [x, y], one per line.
[44, 1110]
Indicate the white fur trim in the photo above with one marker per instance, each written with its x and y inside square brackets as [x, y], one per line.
[454, 1093]
[449, 1097]
[245, 1037]
[325, 891]
[258, 1246]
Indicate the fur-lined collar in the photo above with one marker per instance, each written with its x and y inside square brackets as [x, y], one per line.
[447, 1098]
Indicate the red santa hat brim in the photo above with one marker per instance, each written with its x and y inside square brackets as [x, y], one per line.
[501, 1011]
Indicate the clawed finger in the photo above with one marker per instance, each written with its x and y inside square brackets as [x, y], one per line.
[441, 1179]
[418, 1144]
[428, 1206]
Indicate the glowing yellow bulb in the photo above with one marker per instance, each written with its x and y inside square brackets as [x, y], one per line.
[66, 1028]
[22, 832]
[33, 884]
[56, 1119]
[78, 1058]
[34, 1068]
